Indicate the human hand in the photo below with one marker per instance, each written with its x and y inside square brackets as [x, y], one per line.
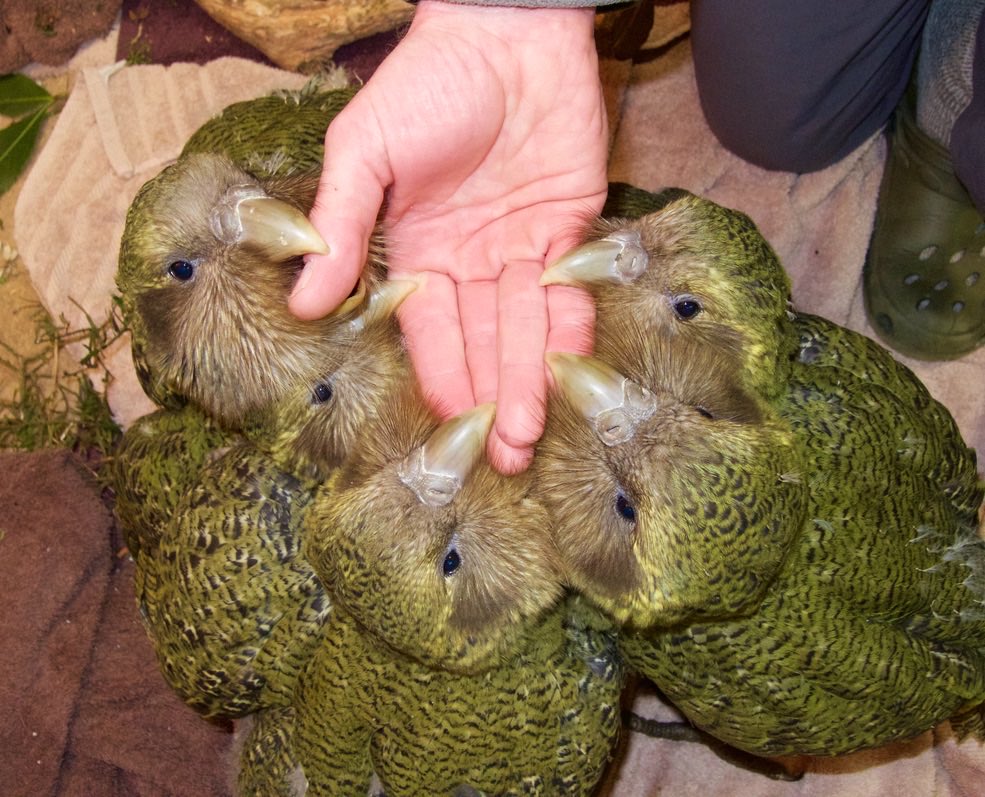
[486, 129]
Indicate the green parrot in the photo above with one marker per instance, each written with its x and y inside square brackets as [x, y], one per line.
[427, 545]
[451, 664]
[872, 628]
[210, 251]
[208, 257]
[543, 720]
[236, 608]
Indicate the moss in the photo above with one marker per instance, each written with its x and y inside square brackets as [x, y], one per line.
[51, 406]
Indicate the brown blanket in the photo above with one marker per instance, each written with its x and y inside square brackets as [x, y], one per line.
[85, 710]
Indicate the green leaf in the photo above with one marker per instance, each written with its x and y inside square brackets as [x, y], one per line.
[16, 145]
[20, 95]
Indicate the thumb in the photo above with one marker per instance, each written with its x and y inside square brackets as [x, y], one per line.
[354, 177]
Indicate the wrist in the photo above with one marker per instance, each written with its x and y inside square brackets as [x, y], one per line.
[512, 18]
[527, 3]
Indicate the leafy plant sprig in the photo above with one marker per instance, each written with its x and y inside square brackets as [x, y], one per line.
[27, 103]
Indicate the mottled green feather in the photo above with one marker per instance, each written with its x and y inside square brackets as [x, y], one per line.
[624, 200]
[238, 608]
[933, 446]
[268, 765]
[156, 461]
[543, 721]
[280, 134]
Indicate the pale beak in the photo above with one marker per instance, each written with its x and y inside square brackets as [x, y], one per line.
[353, 300]
[437, 470]
[248, 217]
[619, 257]
[612, 403]
[384, 301]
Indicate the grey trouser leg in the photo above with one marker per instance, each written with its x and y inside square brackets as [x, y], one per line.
[968, 133]
[796, 85]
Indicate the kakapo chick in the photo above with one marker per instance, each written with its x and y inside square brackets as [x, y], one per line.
[209, 224]
[210, 252]
[872, 629]
[452, 661]
[236, 607]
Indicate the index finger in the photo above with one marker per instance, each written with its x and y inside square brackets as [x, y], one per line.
[354, 176]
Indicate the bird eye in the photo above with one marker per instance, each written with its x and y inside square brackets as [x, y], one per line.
[706, 413]
[181, 270]
[452, 562]
[687, 308]
[625, 509]
[321, 393]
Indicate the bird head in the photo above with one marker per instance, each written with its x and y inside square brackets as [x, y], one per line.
[692, 269]
[431, 550]
[324, 417]
[208, 257]
[673, 497]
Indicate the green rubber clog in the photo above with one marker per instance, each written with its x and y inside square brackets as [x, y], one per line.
[924, 276]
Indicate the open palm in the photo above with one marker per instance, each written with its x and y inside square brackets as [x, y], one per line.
[486, 130]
